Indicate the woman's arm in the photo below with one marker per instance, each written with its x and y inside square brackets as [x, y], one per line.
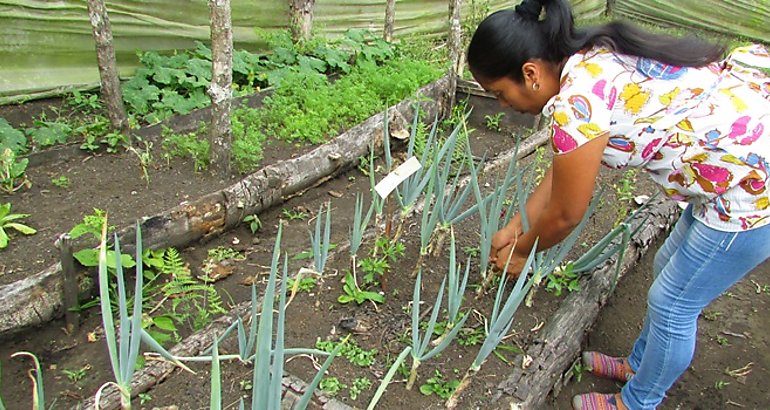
[572, 184]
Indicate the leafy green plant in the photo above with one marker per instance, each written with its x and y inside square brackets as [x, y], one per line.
[471, 337]
[76, 375]
[563, 278]
[350, 350]
[6, 223]
[89, 257]
[373, 268]
[62, 181]
[46, 133]
[255, 224]
[331, 386]
[192, 300]
[294, 215]
[352, 292]
[360, 384]
[492, 122]
[83, 102]
[624, 190]
[439, 386]
[13, 172]
[303, 285]
[12, 138]
[186, 145]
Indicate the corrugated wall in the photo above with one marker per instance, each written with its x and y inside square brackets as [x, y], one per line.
[749, 18]
[46, 45]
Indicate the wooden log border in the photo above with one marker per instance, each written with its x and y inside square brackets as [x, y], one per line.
[38, 298]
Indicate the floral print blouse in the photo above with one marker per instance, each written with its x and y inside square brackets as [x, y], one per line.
[703, 134]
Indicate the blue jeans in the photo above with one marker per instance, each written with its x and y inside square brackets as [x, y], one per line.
[693, 267]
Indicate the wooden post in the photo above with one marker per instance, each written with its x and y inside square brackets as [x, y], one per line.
[220, 90]
[610, 10]
[390, 20]
[69, 283]
[108, 68]
[454, 43]
[301, 19]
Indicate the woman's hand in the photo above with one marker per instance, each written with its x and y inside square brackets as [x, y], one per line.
[505, 237]
[516, 263]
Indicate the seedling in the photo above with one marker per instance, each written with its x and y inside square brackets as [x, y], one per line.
[293, 215]
[359, 385]
[62, 181]
[439, 386]
[331, 386]
[357, 230]
[13, 175]
[356, 355]
[255, 224]
[352, 292]
[7, 223]
[321, 244]
[492, 122]
[76, 375]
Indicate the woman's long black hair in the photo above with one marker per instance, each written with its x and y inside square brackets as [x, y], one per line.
[507, 39]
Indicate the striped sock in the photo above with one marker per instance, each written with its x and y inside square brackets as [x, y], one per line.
[598, 401]
[608, 367]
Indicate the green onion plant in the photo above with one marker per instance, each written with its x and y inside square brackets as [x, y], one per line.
[123, 343]
[360, 222]
[388, 377]
[38, 391]
[500, 321]
[321, 244]
[420, 344]
[451, 201]
[490, 209]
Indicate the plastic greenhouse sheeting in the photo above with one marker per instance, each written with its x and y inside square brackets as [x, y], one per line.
[747, 18]
[47, 46]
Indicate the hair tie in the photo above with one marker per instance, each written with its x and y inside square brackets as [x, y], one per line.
[529, 9]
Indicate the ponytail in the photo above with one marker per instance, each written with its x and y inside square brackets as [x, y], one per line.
[506, 39]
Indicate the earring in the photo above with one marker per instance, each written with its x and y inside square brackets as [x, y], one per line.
[535, 86]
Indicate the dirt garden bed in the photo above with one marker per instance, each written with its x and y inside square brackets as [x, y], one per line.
[316, 314]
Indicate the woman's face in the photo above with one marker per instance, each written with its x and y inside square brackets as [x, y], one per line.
[541, 82]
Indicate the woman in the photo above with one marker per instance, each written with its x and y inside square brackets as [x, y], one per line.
[627, 98]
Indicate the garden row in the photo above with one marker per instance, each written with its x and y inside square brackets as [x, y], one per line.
[323, 312]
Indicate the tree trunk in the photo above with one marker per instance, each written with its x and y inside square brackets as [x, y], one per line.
[108, 67]
[220, 89]
[610, 10]
[390, 20]
[454, 43]
[301, 19]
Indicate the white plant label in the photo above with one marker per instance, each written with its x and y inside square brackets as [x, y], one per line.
[397, 176]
